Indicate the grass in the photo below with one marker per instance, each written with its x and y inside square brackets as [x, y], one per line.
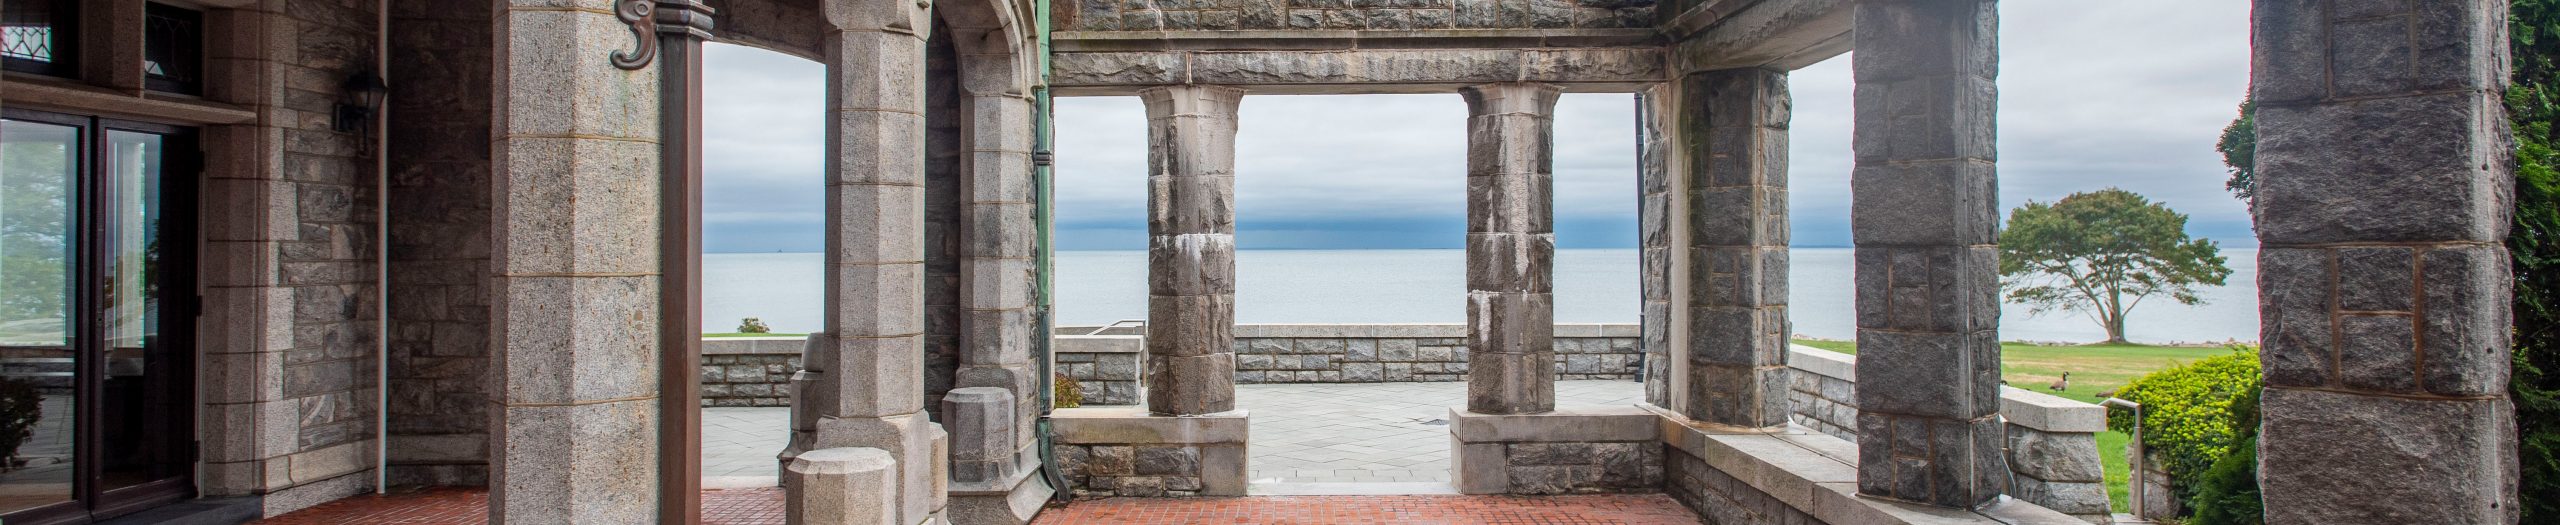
[737, 334]
[2094, 369]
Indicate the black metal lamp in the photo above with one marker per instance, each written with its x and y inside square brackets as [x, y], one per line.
[364, 93]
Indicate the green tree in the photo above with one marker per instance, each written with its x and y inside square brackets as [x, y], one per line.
[2101, 254]
[2239, 148]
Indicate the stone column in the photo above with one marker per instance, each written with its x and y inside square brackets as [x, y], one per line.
[1733, 124]
[574, 302]
[868, 366]
[999, 236]
[1924, 217]
[1655, 108]
[1191, 247]
[2384, 180]
[1511, 247]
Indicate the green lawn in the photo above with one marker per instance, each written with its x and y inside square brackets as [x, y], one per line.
[736, 334]
[2094, 369]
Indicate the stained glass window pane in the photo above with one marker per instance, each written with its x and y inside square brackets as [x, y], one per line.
[173, 49]
[36, 36]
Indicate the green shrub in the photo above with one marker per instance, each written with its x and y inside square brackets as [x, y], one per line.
[2186, 413]
[2227, 493]
[753, 325]
[21, 406]
[1066, 392]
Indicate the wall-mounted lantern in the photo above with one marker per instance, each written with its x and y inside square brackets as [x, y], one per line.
[364, 93]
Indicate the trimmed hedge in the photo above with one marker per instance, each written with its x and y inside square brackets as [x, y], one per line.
[2186, 413]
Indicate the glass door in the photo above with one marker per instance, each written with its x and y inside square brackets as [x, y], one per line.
[97, 303]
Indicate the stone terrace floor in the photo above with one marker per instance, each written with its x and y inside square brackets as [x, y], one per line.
[1302, 432]
[453, 506]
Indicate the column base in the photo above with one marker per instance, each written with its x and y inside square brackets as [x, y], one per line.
[1010, 500]
[1569, 450]
[1124, 451]
[919, 446]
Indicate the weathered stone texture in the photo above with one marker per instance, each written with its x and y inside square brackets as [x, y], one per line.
[1924, 216]
[2384, 180]
[1510, 247]
[1106, 71]
[1123, 451]
[1656, 113]
[1191, 249]
[841, 486]
[1723, 499]
[1385, 15]
[1732, 127]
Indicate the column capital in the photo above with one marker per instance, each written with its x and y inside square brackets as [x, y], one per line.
[1191, 100]
[1501, 98]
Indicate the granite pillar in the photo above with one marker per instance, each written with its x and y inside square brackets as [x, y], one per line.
[865, 373]
[1924, 217]
[999, 237]
[1733, 128]
[1656, 106]
[1510, 248]
[573, 303]
[2384, 180]
[1191, 225]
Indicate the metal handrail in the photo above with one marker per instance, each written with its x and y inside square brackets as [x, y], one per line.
[1117, 324]
[2133, 464]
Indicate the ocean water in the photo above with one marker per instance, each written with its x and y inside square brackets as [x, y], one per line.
[1429, 286]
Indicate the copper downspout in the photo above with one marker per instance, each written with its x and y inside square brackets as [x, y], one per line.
[382, 252]
[682, 27]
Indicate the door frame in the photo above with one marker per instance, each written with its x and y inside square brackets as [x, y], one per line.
[181, 307]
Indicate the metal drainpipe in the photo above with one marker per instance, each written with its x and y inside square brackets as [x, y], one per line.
[382, 253]
[1044, 194]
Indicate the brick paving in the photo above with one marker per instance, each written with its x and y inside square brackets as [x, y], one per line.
[764, 506]
[1400, 510]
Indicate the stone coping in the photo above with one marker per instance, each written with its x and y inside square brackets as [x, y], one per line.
[2019, 406]
[1098, 344]
[1122, 425]
[1822, 362]
[1386, 330]
[1818, 474]
[754, 345]
[2050, 413]
[1580, 424]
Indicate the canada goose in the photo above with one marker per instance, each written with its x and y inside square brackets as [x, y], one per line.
[2064, 384]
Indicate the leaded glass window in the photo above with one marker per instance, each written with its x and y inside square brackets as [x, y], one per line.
[173, 49]
[37, 36]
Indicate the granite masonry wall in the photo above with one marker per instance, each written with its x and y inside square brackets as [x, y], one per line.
[1398, 15]
[1571, 450]
[440, 243]
[1120, 451]
[1823, 392]
[1105, 367]
[2051, 442]
[749, 371]
[1723, 499]
[1351, 353]
[942, 202]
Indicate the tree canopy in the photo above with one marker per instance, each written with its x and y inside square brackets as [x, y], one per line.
[2102, 253]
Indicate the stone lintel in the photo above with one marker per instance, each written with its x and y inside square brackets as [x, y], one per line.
[1564, 425]
[1358, 71]
[2050, 413]
[1342, 39]
[1125, 425]
[1806, 470]
[1776, 34]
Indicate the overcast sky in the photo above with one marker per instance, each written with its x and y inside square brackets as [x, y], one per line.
[2092, 95]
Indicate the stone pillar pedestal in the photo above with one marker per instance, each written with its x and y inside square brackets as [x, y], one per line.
[841, 486]
[1565, 451]
[2384, 200]
[1734, 126]
[992, 480]
[1510, 248]
[1124, 451]
[1924, 216]
[1191, 226]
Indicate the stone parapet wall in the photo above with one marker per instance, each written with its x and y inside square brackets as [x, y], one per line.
[1105, 367]
[1723, 499]
[1572, 450]
[1123, 451]
[2051, 442]
[1793, 475]
[1391, 353]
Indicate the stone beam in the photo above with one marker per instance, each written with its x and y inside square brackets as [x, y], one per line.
[1511, 247]
[1923, 213]
[2383, 201]
[1191, 249]
[1733, 131]
[574, 302]
[1360, 71]
[1774, 34]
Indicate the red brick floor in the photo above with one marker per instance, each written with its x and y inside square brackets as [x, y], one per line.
[764, 506]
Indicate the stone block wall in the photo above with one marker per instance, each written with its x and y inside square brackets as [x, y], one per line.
[1390, 15]
[1822, 394]
[440, 243]
[1723, 499]
[1105, 367]
[1572, 450]
[1122, 451]
[1412, 353]
[942, 231]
